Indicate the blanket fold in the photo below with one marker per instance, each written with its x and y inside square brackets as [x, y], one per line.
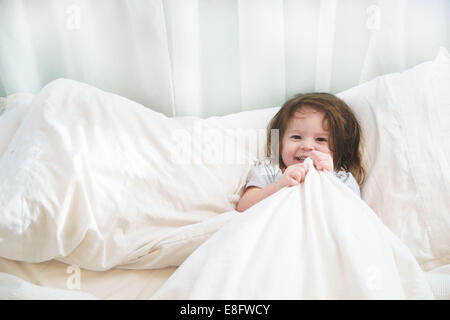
[316, 240]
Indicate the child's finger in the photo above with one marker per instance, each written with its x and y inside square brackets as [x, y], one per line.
[303, 172]
[292, 182]
[318, 154]
[314, 155]
[302, 166]
[316, 160]
[297, 176]
[325, 162]
[300, 172]
[323, 165]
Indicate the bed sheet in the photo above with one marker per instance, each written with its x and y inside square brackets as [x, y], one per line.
[439, 280]
[115, 283]
[140, 284]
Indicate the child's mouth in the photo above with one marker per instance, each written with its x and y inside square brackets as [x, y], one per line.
[301, 159]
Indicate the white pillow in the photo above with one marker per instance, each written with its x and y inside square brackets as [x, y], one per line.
[405, 121]
[94, 179]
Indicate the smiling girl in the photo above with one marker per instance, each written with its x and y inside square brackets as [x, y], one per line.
[319, 126]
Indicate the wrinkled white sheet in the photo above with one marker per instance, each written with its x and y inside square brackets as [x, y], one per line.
[15, 288]
[439, 280]
[87, 179]
[122, 284]
[313, 241]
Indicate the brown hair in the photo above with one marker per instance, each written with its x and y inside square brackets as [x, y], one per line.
[344, 130]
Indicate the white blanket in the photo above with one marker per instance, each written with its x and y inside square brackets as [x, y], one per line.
[313, 241]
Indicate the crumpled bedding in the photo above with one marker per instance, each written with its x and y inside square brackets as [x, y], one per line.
[316, 240]
[86, 179]
[113, 284]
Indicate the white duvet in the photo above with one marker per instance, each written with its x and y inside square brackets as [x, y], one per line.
[313, 241]
[87, 179]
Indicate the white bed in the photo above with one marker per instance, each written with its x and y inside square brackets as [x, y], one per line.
[119, 237]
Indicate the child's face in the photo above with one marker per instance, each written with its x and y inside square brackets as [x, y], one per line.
[305, 133]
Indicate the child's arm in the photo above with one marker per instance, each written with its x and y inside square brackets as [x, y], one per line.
[292, 176]
[254, 195]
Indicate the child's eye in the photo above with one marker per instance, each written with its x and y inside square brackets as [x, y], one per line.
[321, 139]
[296, 137]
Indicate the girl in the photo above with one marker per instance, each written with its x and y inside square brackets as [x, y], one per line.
[316, 125]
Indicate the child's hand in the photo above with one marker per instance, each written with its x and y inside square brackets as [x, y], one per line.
[293, 175]
[322, 161]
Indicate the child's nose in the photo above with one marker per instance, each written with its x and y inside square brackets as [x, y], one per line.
[307, 146]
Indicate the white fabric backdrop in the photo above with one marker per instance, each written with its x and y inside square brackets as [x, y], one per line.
[205, 57]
